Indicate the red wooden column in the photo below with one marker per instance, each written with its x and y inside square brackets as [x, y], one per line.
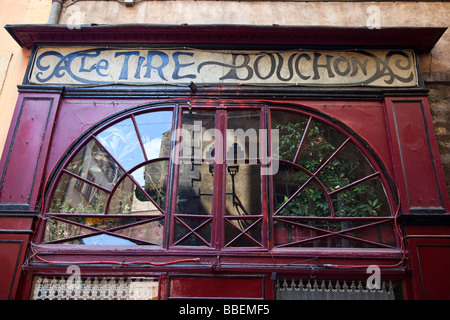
[22, 169]
[424, 199]
[418, 168]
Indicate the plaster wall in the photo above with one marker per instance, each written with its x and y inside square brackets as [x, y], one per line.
[324, 13]
[13, 59]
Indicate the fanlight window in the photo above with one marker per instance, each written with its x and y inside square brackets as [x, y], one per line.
[326, 192]
[137, 182]
[113, 190]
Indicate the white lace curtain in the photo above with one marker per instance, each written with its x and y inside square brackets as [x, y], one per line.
[58, 288]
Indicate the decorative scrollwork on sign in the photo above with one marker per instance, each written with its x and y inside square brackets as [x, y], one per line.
[100, 66]
[384, 68]
[65, 64]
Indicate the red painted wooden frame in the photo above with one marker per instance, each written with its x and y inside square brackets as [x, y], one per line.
[218, 242]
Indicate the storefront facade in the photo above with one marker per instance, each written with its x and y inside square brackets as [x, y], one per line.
[167, 162]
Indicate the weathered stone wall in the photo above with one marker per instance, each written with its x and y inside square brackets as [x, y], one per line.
[439, 98]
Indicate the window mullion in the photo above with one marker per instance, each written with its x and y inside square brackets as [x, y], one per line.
[266, 167]
[219, 183]
[139, 137]
[171, 203]
[305, 133]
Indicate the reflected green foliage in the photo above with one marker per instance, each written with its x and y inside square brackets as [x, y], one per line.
[319, 143]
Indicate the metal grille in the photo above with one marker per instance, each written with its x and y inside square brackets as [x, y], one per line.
[45, 288]
[331, 290]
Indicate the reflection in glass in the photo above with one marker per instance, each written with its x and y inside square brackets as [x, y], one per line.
[365, 199]
[97, 181]
[150, 232]
[94, 164]
[291, 128]
[234, 237]
[347, 166]
[320, 143]
[286, 182]
[198, 134]
[104, 240]
[75, 196]
[192, 231]
[195, 188]
[57, 230]
[316, 233]
[242, 137]
[155, 131]
[310, 201]
[130, 198]
[124, 170]
[243, 190]
[155, 180]
[104, 222]
[243, 198]
[122, 142]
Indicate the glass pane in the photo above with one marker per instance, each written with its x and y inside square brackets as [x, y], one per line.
[380, 233]
[128, 198]
[315, 234]
[320, 143]
[146, 231]
[242, 138]
[123, 144]
[291, 128]
[57, 230]
[235, 238]
[198, 134]
[94, 164]
[365, 199]
[348, 166]
[310, 201]
[104, 222]
[104, 240]
[199, 236]
[150, 232]
[155, 131]
[195, 188]
[286, 182]
[153, 178]
[243, 190]
[75, 196]
[287, 233]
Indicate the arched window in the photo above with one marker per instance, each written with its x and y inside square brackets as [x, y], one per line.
[265, 177]
[113, 188]
[326, 192]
